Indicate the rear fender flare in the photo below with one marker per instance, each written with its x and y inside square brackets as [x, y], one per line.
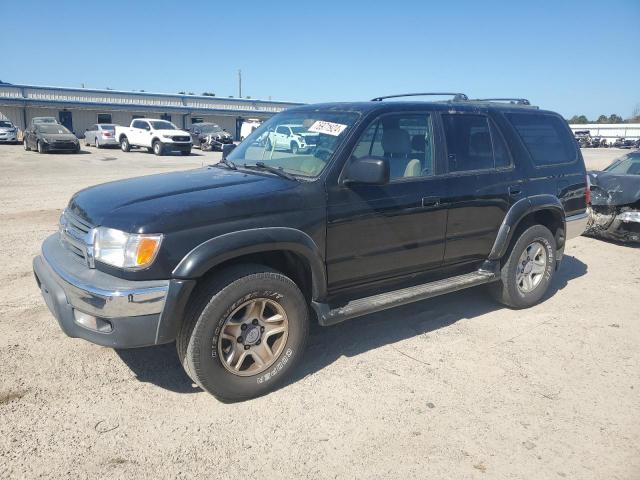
[516, 213]
[232, 245]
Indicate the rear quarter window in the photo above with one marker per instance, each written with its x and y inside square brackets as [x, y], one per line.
[546, 137]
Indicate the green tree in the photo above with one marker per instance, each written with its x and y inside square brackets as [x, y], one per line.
[613, 118]
[602, 119]
[208, 94]
[578, 120]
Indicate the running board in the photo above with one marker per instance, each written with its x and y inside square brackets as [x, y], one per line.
[375, 303]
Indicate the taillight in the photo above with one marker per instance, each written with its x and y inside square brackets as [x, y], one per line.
[107, 134]
[587, 193]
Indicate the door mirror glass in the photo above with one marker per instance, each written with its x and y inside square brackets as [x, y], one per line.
[368, 170]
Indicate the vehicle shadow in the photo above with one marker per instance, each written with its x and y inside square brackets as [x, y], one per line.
[160, 365]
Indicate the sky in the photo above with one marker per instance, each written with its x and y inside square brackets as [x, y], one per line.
[574, 57]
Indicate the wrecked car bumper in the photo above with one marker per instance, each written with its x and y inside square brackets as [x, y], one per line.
[614, 224]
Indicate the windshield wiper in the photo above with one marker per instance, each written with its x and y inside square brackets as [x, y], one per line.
[276, 170]
[227, 163]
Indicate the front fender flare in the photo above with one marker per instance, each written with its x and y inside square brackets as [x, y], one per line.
[516, 213]
[244, 242]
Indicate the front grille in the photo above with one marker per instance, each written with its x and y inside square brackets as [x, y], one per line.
[76, 235]
[63, 144]
[181, 138]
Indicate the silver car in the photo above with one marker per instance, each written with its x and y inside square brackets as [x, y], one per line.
[101, 135]
[8, 132]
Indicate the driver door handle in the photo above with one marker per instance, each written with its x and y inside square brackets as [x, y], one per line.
[430, 201]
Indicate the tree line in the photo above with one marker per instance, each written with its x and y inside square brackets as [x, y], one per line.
[613, 118]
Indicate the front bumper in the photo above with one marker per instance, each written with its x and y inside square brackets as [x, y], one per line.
[8, 137]
[129, 311]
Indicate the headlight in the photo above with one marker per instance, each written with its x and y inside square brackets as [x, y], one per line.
[44, 140]
[126, 250]
[167, 136]
[629, 217]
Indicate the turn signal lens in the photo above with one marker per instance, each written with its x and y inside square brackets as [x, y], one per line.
[147, 250]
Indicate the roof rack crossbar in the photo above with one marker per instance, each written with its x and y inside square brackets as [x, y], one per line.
[518, 101]
[456, 96]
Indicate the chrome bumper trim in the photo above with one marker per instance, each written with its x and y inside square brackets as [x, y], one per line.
[100, 294]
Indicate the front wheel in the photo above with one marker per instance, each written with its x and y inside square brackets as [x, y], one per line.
[529, 269]
[97, 143]
[26, 145]
[40, 147]
[157, 148]
[125, 146]
[295, 148]
[244, 332]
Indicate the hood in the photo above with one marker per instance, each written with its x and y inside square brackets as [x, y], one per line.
[7, 129]
[612, 189]
[58, 136]
[176, 201]
[173, 133]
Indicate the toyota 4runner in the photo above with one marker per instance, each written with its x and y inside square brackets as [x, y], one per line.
[396, 202]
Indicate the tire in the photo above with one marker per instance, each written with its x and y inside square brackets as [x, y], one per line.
[157, 148]
[27, 148]
[202, 340]
[39, 147]
[513, 290]
[97, 143]
[150, 149]
[125, 146]
[295, 148]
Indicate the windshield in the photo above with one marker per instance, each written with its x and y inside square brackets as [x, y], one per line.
[44, 120]
[53, 129]
[209, 128]
[627, 165]
[5, 124]
[163, 125]
[272, 143]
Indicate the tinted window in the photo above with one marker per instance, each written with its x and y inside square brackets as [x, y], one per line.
[546, 137]
[282, 130]
[406, 141]
[500, 150]
[104, 118]
[468, 142]
[5, 124]
[138, 124]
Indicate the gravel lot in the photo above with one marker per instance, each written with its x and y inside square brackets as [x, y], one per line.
[455, 387]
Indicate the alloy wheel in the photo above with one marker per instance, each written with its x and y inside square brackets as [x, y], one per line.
[531, 267]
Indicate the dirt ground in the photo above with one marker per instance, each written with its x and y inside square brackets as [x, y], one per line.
[455, 387]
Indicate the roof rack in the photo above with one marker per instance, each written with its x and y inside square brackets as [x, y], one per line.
[456, 96]
[516, 101]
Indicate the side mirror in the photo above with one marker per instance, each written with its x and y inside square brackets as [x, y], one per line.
[227, 148]
[368, 170]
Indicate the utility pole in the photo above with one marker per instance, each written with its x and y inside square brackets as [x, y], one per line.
[239, 83]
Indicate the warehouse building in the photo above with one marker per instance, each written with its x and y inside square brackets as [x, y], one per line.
[79, 108]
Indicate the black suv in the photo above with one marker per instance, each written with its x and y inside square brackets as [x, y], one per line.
[397, 202]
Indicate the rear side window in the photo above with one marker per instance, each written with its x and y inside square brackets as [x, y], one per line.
[468, 142]
[546, 137]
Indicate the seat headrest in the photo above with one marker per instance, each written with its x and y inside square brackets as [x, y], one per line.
[418, 143]
[396, 141]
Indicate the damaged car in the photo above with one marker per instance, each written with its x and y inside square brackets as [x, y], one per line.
[615, 200]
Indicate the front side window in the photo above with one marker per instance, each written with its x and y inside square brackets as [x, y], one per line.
[404, 140]
[305, 153]
[546, 137]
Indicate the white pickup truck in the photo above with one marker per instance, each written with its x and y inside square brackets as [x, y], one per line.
[158, 136]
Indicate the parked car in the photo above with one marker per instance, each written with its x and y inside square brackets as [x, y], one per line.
[295, 138]
[248, 127]
[622, 142]
[101, 135]
[615, 200]
[8, 132]
[209, 136]
[48, 137]
[158, 136]
[400, 201]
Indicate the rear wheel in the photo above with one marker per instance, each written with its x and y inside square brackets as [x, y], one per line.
[529, 269]
[125, 146]
[157, 148]
[244, 332]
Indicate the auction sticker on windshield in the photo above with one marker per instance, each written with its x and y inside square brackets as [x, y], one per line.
[329, 128]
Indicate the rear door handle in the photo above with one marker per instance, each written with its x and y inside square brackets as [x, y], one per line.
[515, 190]
[430, 201]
